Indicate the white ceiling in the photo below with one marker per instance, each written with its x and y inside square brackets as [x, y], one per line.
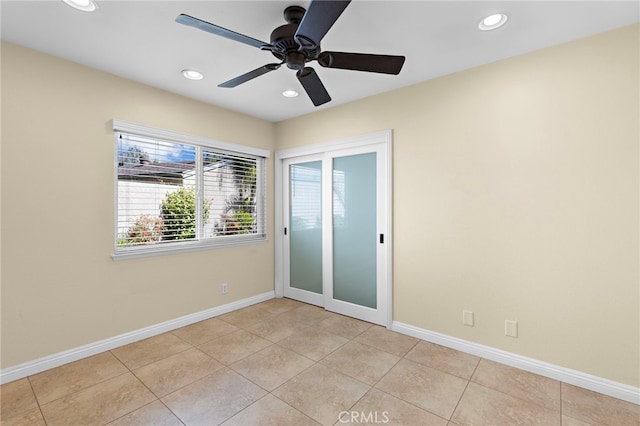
[141, 41]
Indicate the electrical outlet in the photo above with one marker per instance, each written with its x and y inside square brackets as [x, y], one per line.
[225, 288]
[511, 328]
[467, 318]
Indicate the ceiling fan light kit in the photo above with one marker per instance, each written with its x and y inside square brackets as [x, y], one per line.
[298, 42]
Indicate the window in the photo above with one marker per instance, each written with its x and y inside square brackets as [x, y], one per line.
[178, 192]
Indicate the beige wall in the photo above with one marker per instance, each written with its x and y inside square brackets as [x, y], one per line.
[516, 190]
[60, 287]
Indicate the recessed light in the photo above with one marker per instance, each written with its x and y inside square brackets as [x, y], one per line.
[192, 74]
[289, 93]
[492, 22]
[83, 5]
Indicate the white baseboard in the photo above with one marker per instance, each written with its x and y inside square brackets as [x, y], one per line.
[36, 366]
[567, 375]
[573, 377]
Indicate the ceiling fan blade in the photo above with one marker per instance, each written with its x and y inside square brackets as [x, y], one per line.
[219, 31]
[385, 64]
[320, 16]
[250, 75]
[313, 86]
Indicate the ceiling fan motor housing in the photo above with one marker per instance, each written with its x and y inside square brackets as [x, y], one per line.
[285, 47]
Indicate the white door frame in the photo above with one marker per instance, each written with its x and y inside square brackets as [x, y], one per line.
[384, 137]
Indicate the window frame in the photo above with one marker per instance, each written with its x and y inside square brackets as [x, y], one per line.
[124, 127]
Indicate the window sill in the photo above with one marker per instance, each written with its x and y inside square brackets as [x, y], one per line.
[186, 247]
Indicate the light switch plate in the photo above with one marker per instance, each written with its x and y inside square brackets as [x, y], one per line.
[467, 318]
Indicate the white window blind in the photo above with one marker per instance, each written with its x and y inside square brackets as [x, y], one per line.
[174, 195]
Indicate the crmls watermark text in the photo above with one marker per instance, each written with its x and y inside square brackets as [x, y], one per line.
[363, 417]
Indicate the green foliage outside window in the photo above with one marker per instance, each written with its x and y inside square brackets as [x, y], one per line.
[240, 222]
[178, 213]
[239, 215]
[147, 229]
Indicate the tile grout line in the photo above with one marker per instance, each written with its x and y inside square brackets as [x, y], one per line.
[171, 411]
[247, 378]
[149, 363]
[89, 387]
[172, 333]
[191, 383]
[260, 399]
[250, 405]
[188, 384]
[560, 385]
[517, 397]
[401, 399]
[33, 391]
[143, 384]
[372, 386]
[315, 363]
[465, 389]
[375, 347]
[206, 341]
[318, 363]
[79, 390]
[158, 398]
[239, 359]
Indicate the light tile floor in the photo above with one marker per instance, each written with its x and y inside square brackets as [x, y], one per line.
[282, 362]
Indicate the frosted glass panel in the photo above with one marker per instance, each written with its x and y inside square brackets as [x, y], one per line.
[354, 229]
[305, 222]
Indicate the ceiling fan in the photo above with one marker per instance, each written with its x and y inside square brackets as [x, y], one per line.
[298, 42]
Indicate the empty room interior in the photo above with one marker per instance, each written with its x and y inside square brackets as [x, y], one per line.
[320, 212]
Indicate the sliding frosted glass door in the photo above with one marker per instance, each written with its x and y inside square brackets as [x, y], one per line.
[335, 236]
[356, 249]
[304, 231]
[355, 229]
